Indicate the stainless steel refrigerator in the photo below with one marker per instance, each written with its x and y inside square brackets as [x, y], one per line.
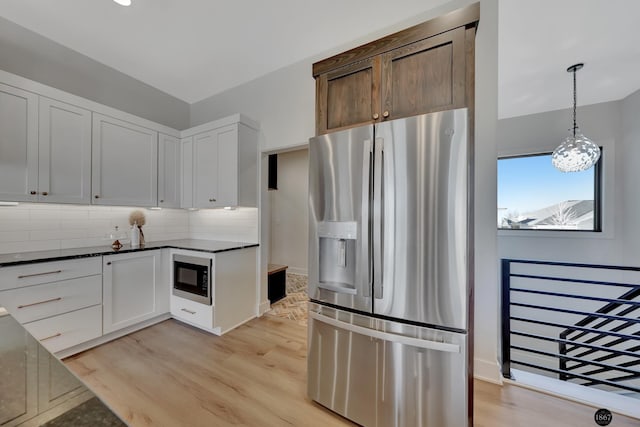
[389, 271]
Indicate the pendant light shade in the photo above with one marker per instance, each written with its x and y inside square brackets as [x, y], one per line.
[577, 152]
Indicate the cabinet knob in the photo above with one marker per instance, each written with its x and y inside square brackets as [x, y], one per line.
[33, 193]
[45, 193]
[161, 201]
[376, 116]
[385, 114]
[96, 196]
[212, 200]
[109, 263]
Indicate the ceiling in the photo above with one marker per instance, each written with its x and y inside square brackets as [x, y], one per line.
[539, 40]
[194, 49]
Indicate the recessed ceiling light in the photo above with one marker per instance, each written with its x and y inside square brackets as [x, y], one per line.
[123, 2]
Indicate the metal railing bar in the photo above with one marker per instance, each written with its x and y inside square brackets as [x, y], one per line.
[560, 340]
[601, 369]
[558, 325]
[610, 344]
[616, 379]
[576, 375]
[606, 309]
[628, 323]
[586, 297]
[570, 264]
[566, 279]
[575, 359]
[581, 313]
[604, 334]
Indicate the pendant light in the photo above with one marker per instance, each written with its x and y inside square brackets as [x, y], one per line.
[577, 152]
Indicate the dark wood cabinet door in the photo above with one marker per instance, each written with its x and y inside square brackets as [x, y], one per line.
[425, 76]
[348, 96]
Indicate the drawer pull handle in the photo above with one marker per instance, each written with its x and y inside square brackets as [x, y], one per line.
[50, 337]
[39, 302]
[188, 311]
[24, 276]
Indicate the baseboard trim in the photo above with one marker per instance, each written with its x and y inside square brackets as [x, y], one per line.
[263, 307]
[111, 336]
[486, 370]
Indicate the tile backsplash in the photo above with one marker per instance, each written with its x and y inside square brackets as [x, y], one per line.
[240, 224]
[38, 226]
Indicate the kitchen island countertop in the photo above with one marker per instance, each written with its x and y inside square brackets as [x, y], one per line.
[211, 246]
[21, 357]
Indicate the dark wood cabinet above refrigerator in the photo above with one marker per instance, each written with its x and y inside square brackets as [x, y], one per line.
[426, 68]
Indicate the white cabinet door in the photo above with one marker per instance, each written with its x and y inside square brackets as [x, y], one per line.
[64, 152]
[132, 287]
[205, 170]
[169, 171]
[18, 144]
[215, 164]
[124, 163]
[186, 196]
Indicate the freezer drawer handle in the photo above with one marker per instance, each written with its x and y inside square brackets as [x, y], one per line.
[387, 336]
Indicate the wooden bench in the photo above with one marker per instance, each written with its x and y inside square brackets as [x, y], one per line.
[277, 282]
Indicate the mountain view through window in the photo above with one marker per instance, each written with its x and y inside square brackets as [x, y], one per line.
[533, 195]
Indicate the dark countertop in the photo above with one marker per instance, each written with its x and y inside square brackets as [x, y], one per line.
[211, 246]
[21, 353]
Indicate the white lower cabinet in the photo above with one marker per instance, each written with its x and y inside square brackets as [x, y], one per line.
[56, 384]
[233, 289]
[66, 330]
[132, 289]
[31, 303]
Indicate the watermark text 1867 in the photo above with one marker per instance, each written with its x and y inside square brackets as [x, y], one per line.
[603, 417]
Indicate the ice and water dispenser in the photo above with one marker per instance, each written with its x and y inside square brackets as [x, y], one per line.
[337, 253]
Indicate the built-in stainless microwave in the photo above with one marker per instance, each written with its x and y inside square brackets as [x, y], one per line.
[192, 278]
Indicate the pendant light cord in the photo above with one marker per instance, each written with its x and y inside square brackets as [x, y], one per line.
[575, 102]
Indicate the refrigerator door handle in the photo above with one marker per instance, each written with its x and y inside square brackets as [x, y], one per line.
[386, 336]
[365, 250]
[378, 206]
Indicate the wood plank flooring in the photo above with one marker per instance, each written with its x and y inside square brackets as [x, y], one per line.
[172, 374]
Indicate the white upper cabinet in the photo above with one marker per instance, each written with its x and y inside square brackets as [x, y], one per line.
[18, 144]
[205, 167]
[64, 152]
[224, 169]
[169, 171]
[124, 163]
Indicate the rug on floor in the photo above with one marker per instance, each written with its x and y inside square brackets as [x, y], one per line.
[294, 305]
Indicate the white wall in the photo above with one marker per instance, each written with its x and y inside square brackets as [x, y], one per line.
[630, 163]
[30, 55]
[543, 133]
[36, 227]
[289, 212]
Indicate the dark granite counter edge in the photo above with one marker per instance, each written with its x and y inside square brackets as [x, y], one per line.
[91, 254]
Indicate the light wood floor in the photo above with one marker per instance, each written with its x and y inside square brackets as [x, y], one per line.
[174, 375]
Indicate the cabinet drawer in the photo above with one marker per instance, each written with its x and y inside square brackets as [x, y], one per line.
[45, 272]
[192, 312]
[69, 329]
[31, 303]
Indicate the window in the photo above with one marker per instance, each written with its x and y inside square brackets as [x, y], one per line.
[533, 195]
